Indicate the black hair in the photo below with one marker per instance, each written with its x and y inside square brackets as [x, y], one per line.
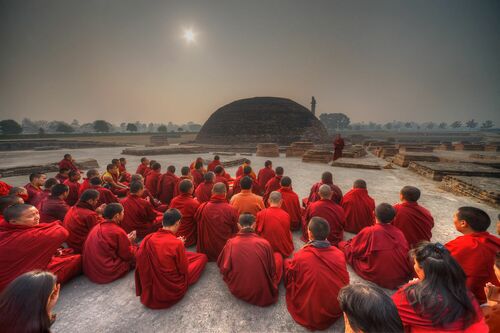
[185, 185]
[156, 166]
[170, 217]
[7, 201]
[286, 181]
[279, 171]
[58, 190]
[92, 173]
[476, 218]
[136, 187]
[198, 165]
[209, 176]
[15, 211]
[385, 213]
[61, 170]
[89, 194]
[95, 181]
[16, 190]
[50, 182]
[268, 163]
[143, 159]
[110, 166]
[115, 160]
[36, 175]
[73, 173]
[359, 183]
[171, 168]
[185, 171]
[410, 193]
[319, 227]
[327, 177]
[247, 170]
[111, 210]
[216, 157]
[218, 169]
[67, 155]
[246, 219]
[246, 183]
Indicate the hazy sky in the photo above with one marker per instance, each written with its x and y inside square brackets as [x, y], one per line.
[126, 60]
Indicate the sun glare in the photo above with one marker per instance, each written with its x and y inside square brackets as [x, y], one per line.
[189, 36]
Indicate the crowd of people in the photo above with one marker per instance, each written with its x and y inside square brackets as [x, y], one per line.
[110, 223]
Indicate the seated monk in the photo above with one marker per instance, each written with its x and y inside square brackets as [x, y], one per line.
[491, 310]
[330, 211]
[81, 218]
[273, 184]
[62, 175]
[167, 185]
[141, 169]
[291, 203]
[85, 185]
[204, 190]
[220, 178]
[246, 201]
[27, 245]
[273, 224]
[7, 201]
[74, 187]
[68, 163]
[157, 205]
[240, 172]
[192, 166]
[47, 187]
[438, 301]
[188, 206]
[250, 268]
[108, 253]
[54, 207]
[475, 250]
[197, 174]
[22, 193]
[185, 174]
[415, 221]
[214, 163]
[124, 175]
[151, 182]
[247, 172]
[379, 253]
[367, 308]
[110, 181]
[105, 195]
[313, 279]
[217, 221]
[34, 187]
[164, 269]
[139, 213]
[358, 207]
[4, 188]
[265, 175]
[326, 178]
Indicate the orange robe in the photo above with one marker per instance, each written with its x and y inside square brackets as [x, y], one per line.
[415, 222]
[273, 224]
[187, 205]
[359, 210]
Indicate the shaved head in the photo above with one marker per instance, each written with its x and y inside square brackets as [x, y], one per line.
[325, 191]
[275, 198]
[219, 188]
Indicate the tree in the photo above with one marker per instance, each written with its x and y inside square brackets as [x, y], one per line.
[442, 125]
[388, 126]
[487, 124]
[102, 126]
[75, 123]
[180, 129]
[471, 124]
[335, 121]
[408, 125]
[430, 125]
[64, 127]
[10, 126]
[456, 124]
[131, 127]
[162, 129]
[41, 131]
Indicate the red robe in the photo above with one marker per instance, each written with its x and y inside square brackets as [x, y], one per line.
[273, 184]
[338, 146]
[140, 215]
[187, 205]
[476, 254]
[313, 279]
[359, 210]
[239, 172]
[85, 185]
[237, 186]
[167, 186]
[217, 222]
[379, 254]
[291, 205]
[332, 213]
[105, 195]
[79, 220]
[415, 323]
[124, 175]
[265, 174]
[141, 169]
[152, 181]
[212, 165]
[177, 191]
[53, 209]
[28, 248]
[33, 192]
[197, 177]
[415, 222]
[273, 224]
[165, 270]
[107, 253]
[4, 188]
[60, 178]
[74, 188]
[314, 196]
[250, 268]
[37, 201]
[66, 164]
[222, 179]
[204, 191]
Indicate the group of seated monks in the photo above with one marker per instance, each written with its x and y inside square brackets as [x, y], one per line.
[54, 229]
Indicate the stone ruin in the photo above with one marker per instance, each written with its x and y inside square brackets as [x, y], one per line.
[268, 150]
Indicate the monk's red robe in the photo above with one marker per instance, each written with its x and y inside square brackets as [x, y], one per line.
[33, 192]
[151, 182]
[157, 205]
[237, 187]
[415, 222]
[140, 215]
[105, 195]
[273, 224]
[177, 191]
[53, 209]
[291, 205]
[108, 254]
[359, 210]
[332, 213]
[66, 164]
[141, 169]
[197, 177]
[37, 201]
[313, 279]
[314, 196]
[28, 248]
[74, 188]
[379, 254]
[167, 187]
[415, 323]
[222, 179]
[250, 268]
[187, 205]
[4, 188]
[217, 221]
[273, 184]
[124, 175]
[212, 165]
[85, 185]
[338, 145]
[204, 191]
[165, 270]
[476, 254]
[79, 220]
[61, 178]
[265, 175]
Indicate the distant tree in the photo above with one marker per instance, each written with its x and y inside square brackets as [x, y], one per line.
[131, 127]
[75, 123]
[162, 129]
[442, 125]
[408, 125]
[64, 127]
[102, 126]
[10, 126]
[388, 126]
[456, 124]
[335, 121]
[430, 125]
[372, 125]
[180, 129]
[356, 126]
[41, 131]
[471, 124]
[487, 124]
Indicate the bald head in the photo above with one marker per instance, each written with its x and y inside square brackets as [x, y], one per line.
[325, 191]
[219, 188]
[275, 199]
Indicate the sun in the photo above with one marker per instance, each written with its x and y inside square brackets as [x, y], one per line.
[189, 36]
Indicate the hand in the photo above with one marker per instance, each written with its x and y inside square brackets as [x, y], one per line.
[414, 280]
[132, 236]
[99, 210]
[492, 293]
[54, 296]
[182, 238]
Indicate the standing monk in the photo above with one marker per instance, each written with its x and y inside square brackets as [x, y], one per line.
[167, 185]
[326, 178]
[108, 253]
[153, 179]
[204, 190]
[358, 207]
[74, 187]
[187, 205]
[273, 184]
[34, 187]
[214, 163]
[313, 279]
[338, 146]
[415, 221]
[265, 174]
[54, 207]
[291, 203]
[68, 163]
[141, 169]
[251, 270]
[217, 222]
[27, 245]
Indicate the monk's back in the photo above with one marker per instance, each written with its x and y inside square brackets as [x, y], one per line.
[274, 225]
[358, 207]
[333, 214]
[415, 222]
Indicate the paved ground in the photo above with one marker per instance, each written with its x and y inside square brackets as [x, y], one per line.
[208, 306]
